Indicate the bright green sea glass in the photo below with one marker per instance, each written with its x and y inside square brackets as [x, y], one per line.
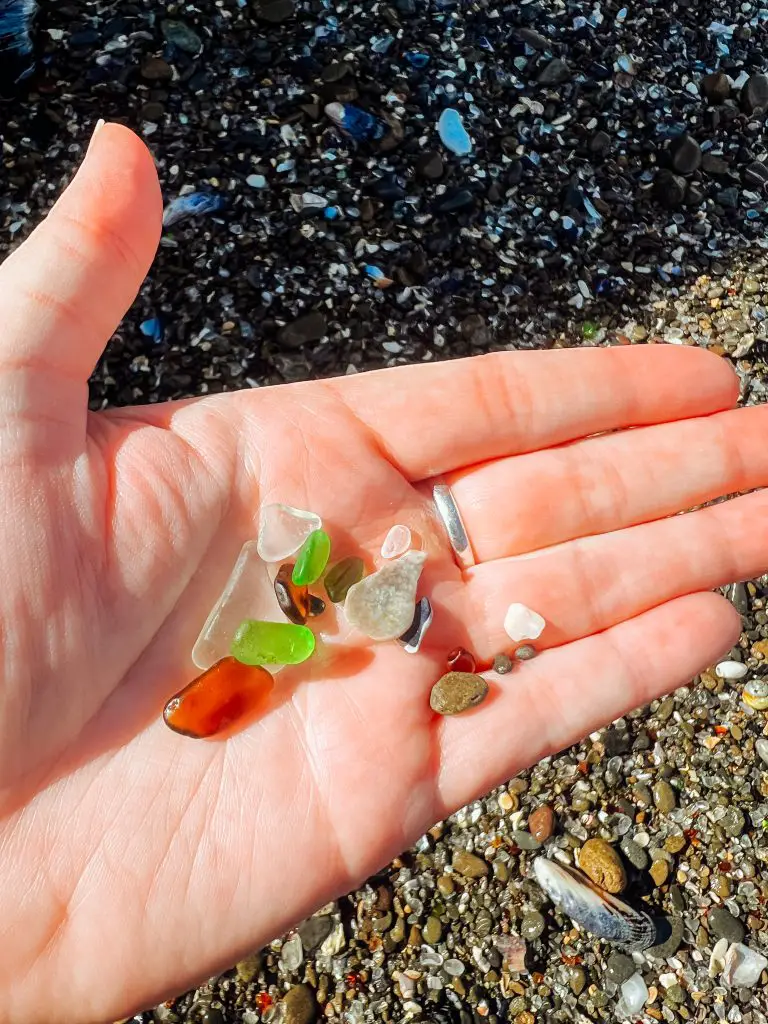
[272, 643]
[312, 558]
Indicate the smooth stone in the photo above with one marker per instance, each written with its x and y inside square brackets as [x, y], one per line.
[412, 639]
[282, 531]
[761, 749]
[432, 931]
[733, 821]
[754, 95]
[298, 1005]
[522, 623]
[469, 865]
[456, 692]
[724, 925]
[664, 796]
[686, 154]
[525, 652]
[249, 594]
[532, 925]
[502, 664]
[312, 559]
[315, 930]
[272, 643]
[155, 69]
[382, 605]
[670, 189]
[311, 327]
[659, 872]
[541, 823]
[577, 979]
[397, 542]
[600, 862]
[430, 165]
[342, 576]
[292, 953]
[556, 72]
[716, 87]
[619, 968]
[524, 840]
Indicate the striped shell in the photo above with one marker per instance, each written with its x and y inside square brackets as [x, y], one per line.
[755, 694]
[596, 911]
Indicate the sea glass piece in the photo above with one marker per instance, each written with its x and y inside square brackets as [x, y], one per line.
[272, 643]
[522, 623]
[283, 529]
[422, 620]
[226, 694]
[249, 594]
[312, 558]
[342, 576]
[452, 132]
[295, 602]
[382, 605]
[461, 660]
[316, 605]
[397, 542]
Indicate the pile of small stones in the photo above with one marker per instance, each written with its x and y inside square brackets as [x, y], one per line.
[615, 193]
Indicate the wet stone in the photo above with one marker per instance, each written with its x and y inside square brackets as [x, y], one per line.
[382, 605]
[659, 872]
[556, 72]
[341, 577]
[577, 979]
[532, 925]
[315, 930]
[469, 864]
[723, 925]
[181, 35]
[502, 664]
[754, 95]
[670, 937]
[456, 692]
[619, 968]
[541, 823]
[430, 165]
[524, 840]
[525, 652]
[716, 87]
[432, 931]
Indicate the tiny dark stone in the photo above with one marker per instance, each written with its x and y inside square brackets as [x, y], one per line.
[455, 201]
[430, 165]
[724, 925]
[556, 72]
[276, 11]
[475, 329]
[619, 968]
[600, 142]
[716, 87]
[502, 664]
[669, 189]
[533, 39]
[685, 153]
[307, 328]
[754, 95]
[715, 165]
[728, 197]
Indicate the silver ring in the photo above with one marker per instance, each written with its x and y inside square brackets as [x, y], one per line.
[449, 514]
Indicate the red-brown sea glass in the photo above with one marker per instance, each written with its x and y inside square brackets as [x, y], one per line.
[461, 660]
[227, 694]
[293, 599]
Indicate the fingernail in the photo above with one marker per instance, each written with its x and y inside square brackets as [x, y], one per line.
[99, 125]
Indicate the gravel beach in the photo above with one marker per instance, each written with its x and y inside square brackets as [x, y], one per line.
[615, 193]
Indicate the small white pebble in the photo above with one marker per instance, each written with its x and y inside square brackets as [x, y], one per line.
[731, 670]
[522, 623]
[397, 542]
[668, 980]
[761, 748]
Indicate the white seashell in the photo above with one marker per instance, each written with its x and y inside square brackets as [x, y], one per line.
[397, 542]
[634, 996]
[596, 911]
[743, 966]
[730, 670]
[522, 623]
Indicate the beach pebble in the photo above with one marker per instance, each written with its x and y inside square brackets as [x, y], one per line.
[743, 966]
[731, 670]
[602, 864]
[456, 692]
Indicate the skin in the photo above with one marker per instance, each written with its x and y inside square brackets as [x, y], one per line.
[137, 862]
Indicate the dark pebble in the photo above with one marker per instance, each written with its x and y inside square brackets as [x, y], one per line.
[716, 87]
[619, 968]
[276, 11]
[555, 73]
[754, 95]
[307, 328]
[669, 189]
[670, 935]
[685, 153]
[430, 165]
[724, 925]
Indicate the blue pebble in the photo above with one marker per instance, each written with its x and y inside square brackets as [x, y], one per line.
[195, 204]
[453, 134]
[416, 59]
[357, 123]
[152, 329]
[374, 272]
[331, 212]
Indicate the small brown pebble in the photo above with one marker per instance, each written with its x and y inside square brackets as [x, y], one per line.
[659, 872]
[525, 653]
[445, 885]
[469, 864]
[602, 864]
[526, 1017]
[541, 824]
[502, 664]
[674, 844]
[456, 692]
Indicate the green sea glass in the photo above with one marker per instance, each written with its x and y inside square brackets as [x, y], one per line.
[272, 643]
[312, 558]
[342, 576]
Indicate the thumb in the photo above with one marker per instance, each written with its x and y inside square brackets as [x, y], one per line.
[66, 288]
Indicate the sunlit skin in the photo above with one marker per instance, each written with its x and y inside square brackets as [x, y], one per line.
[136, 861]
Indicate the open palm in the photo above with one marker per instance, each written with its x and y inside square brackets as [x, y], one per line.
[124, 844]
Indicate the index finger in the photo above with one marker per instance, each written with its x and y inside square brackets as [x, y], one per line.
[438, 417]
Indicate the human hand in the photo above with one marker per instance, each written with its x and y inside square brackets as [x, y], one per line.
[132, 854]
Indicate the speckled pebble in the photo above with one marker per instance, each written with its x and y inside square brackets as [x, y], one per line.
[532, 925]
[469, 864]
[664, 796]
[456, 692]
[602, 864]
[619, 967]
[723, 925]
